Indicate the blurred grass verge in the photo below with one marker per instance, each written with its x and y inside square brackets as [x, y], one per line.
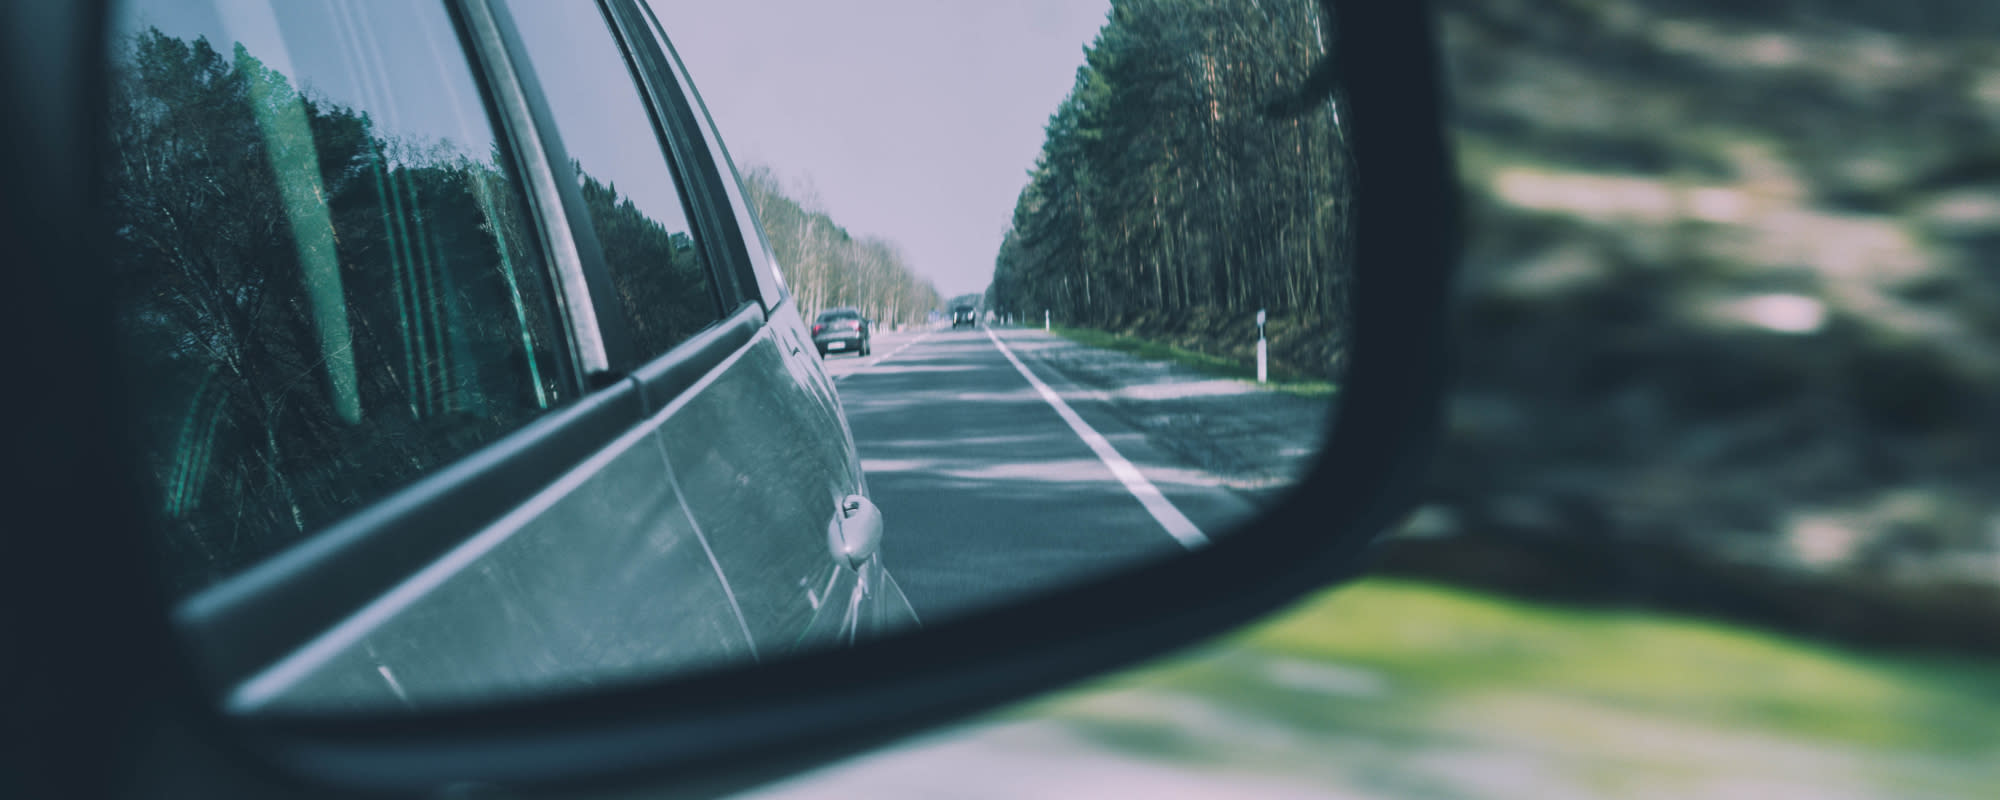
[1406, 689]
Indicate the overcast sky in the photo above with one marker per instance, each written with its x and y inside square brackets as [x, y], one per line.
[915, 120]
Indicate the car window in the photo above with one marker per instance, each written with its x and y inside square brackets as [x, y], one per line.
[323, 273]
[770, 278]
[636, 202]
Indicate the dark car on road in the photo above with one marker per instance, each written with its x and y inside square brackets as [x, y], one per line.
[841, 330]
[964, 315]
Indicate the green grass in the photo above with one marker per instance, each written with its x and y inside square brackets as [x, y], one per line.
[1606, 702]
[1453, 640]
[1281, 381]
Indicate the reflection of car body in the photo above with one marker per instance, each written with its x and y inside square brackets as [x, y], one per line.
[841, 330]
[441, 425]
[964, 315]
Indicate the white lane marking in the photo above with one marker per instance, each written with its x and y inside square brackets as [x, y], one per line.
[892, 354]
[1163, 510]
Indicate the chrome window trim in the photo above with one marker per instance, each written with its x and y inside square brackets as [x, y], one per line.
[763, 261]
[544, 194]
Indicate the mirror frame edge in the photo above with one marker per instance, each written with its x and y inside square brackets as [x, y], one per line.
[727, 731]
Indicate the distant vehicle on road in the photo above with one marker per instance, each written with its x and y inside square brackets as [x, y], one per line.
[964, 315]
[841, 329]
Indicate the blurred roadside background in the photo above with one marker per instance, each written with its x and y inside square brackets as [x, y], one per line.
[1719, 514]
[1729, 313]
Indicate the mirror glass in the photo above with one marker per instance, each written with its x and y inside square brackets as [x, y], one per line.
[470, 362]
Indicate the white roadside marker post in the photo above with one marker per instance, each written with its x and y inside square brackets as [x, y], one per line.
[1045, 319]
[1261, 347]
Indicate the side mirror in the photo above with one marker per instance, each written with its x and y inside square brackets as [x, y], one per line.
[747, 715]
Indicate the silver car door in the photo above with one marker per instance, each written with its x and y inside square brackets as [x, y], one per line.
[771, 412]
[381, 478]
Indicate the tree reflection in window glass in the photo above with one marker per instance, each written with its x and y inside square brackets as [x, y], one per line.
[635, 202]
[326, 284]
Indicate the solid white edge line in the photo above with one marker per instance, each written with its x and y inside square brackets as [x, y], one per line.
[1157, 504]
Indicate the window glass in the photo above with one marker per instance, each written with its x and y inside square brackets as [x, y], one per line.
[636, 205]
[324, 276]
[770, 278]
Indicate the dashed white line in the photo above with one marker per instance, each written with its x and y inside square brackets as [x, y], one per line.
[1157, 504]
[892, 354]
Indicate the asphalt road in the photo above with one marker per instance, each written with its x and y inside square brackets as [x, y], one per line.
[990, 491]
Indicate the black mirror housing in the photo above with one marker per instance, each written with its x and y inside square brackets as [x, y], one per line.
[730, 729]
